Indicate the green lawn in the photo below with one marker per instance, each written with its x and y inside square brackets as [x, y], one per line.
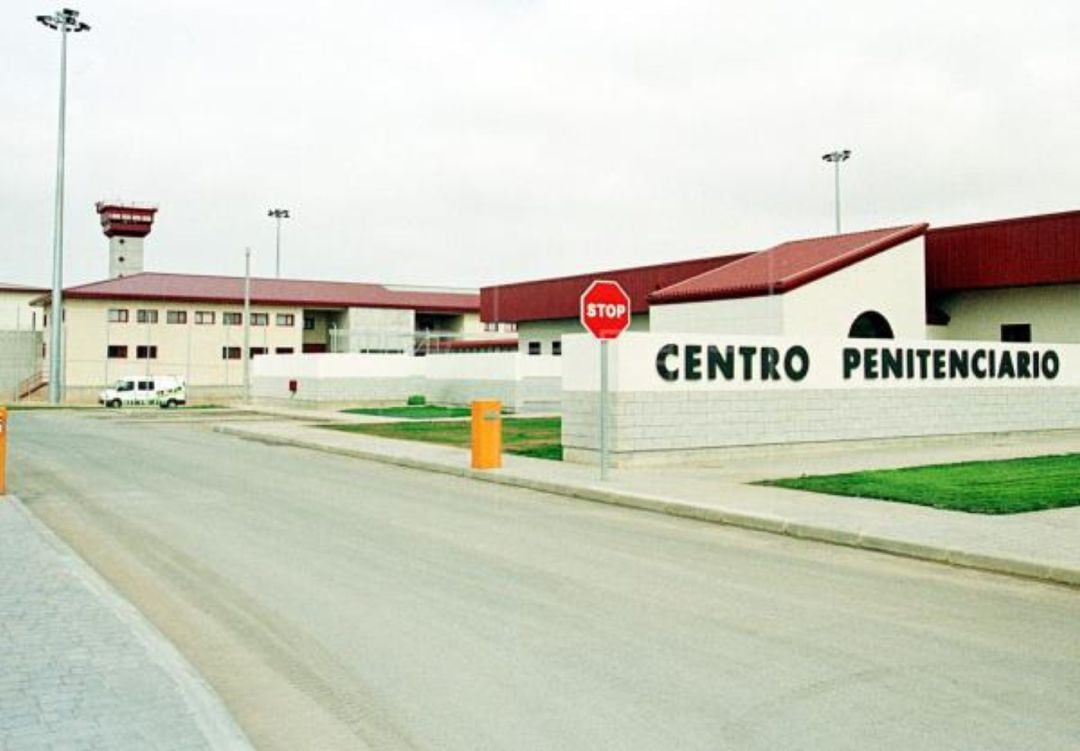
[1011, 486]
[417, 412]
[528, 436]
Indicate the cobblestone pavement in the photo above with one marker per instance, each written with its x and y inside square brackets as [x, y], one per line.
[79, 666]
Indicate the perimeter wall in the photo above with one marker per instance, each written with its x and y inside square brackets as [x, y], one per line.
[523, 383]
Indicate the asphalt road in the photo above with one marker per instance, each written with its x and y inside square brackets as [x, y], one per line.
[335, 603]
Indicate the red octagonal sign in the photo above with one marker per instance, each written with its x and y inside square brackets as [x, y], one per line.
[605, 309]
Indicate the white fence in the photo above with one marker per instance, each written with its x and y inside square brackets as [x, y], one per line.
[523, 383]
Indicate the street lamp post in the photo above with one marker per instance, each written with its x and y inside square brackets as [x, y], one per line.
[64, 21]
[278, 214]
[836, 157]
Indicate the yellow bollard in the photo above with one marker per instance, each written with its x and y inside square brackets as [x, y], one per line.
[486, 434]
[3, 449]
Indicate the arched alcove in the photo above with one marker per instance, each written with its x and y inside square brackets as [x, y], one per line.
[870, 325]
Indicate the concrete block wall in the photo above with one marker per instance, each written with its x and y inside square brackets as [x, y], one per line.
[681, 427]
[20, 358]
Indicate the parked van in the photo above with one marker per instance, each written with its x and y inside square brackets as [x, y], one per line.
[166, 391]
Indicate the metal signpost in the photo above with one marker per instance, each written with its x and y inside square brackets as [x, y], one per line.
[605, 312]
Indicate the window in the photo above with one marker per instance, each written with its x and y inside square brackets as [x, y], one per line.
[556, 348]
[176, 316]
[146, 316]
[1016, 332]
[232, 319]
[230, 353]
[309, 323]
[509, 327]
[117, 352]
[118, 315]
[145, 386]
[204, 316]
[260, 319]
[534, 348]
[146, 352]
[283, 350]
[285, 319]
[257, 351]
[488, 326]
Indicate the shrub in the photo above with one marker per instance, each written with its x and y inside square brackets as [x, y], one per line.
[416, 400]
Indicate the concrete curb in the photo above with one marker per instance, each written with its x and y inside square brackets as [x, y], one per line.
[1019, 567]
[205, 706]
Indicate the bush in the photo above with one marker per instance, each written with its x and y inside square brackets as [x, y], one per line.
[416, 400]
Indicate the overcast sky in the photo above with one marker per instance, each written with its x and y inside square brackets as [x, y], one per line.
[470, 142]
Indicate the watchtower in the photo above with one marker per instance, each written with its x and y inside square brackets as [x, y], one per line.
[126, 225]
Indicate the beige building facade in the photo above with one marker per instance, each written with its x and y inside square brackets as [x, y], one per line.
[195, 328]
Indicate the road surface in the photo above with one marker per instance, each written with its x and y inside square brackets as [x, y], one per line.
[335, 603]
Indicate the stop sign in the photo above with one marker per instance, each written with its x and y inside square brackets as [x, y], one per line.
[605, 309]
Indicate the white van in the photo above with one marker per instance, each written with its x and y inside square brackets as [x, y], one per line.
[166, 391]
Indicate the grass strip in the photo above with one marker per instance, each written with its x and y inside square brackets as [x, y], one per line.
[539, 437]
[1010, 486]
[417, 412]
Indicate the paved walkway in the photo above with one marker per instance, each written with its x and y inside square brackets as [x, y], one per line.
[80, 668]
[1042, 545]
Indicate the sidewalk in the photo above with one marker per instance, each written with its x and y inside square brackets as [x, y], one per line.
[80, 668]
[1041, 545]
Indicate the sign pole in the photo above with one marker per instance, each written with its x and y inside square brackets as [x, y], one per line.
[603, 409]
[605, 313]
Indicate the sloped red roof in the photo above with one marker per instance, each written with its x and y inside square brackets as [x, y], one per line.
[292, 292]
[786, 266]
[20, 288]
[559, 297]
[1024, 251]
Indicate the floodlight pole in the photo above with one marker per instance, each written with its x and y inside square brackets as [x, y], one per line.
[63, 21]
[836, 157]
[278, 214]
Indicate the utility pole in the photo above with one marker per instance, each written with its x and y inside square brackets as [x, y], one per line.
[836, 157]
[246, 353]
[64, 21]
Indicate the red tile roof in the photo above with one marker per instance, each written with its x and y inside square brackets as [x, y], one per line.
[1025, 251]
[559, 297]
[292, 292]
[787, 266]
[20, 288]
